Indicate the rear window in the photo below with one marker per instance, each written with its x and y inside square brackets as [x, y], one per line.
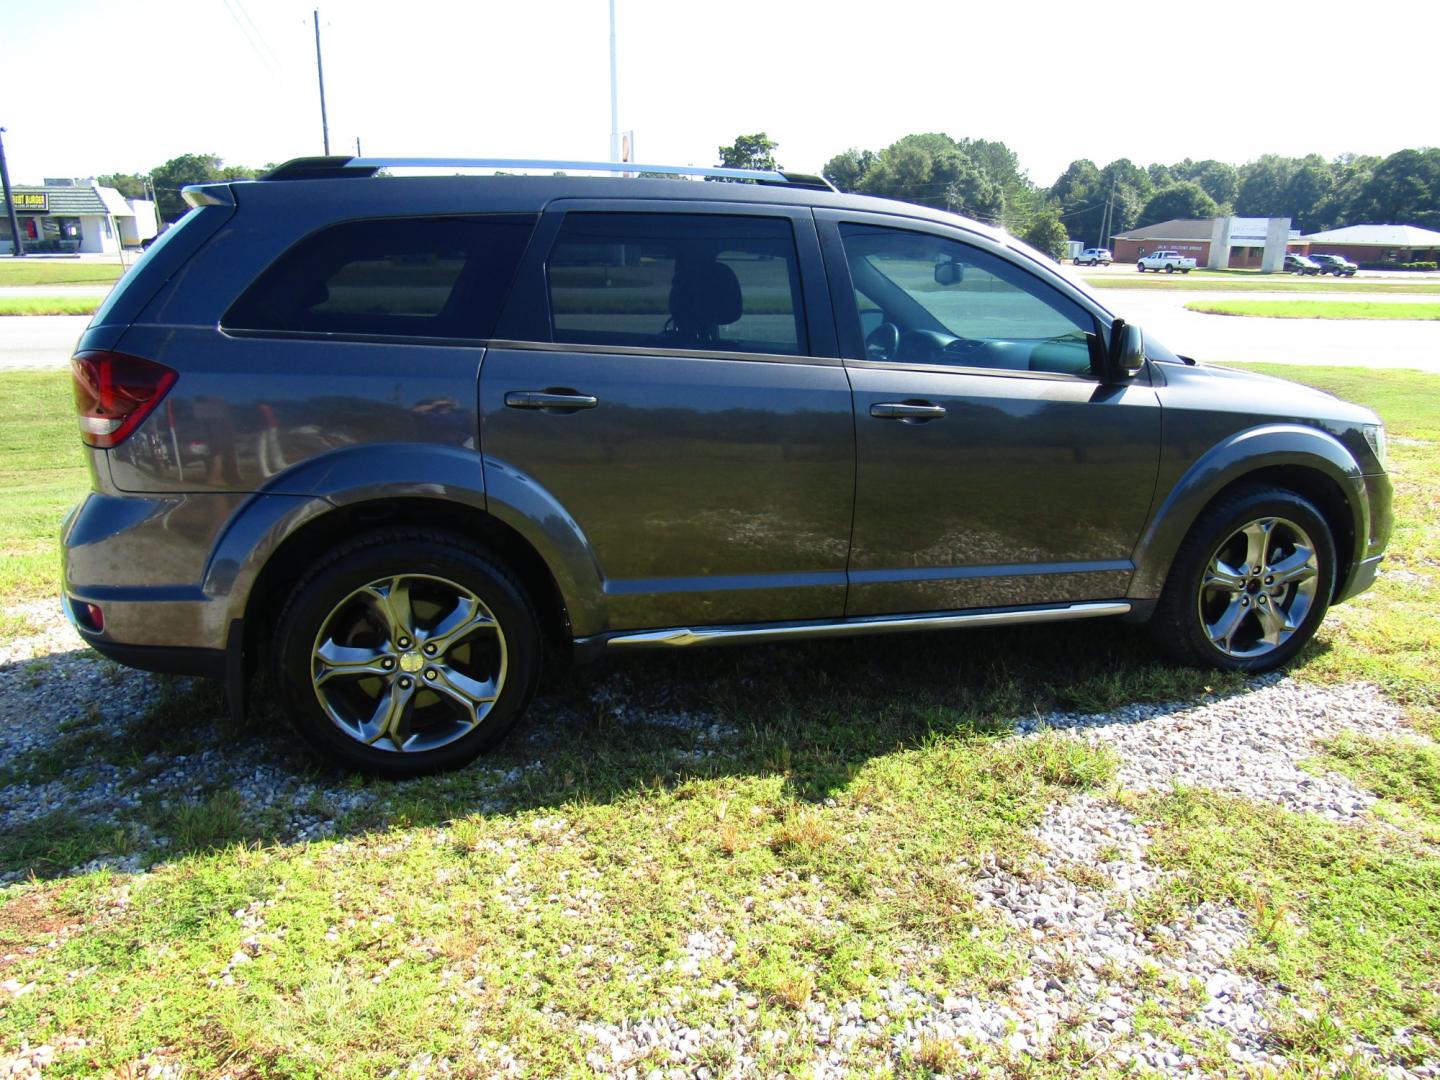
[677, 281]
[405, 277]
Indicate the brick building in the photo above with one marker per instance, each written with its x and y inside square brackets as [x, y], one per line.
[1191, 237]
[1378, 244]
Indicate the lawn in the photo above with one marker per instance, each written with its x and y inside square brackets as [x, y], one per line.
[1198, 282]
[49, 305]
[1316, 309]
[767, 831]
[42, 474]
[30, 271]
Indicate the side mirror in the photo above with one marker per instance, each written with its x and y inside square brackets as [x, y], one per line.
[948, 272]
[1126, 355]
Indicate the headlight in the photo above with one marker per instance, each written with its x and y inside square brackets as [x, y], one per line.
[1375, 436]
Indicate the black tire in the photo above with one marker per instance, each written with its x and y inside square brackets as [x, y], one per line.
[1177, 623]
[434, 560]
[1169, 268]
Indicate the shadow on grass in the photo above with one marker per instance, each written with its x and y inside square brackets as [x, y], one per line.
[180, 778]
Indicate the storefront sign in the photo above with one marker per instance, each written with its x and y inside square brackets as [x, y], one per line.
[32, 200]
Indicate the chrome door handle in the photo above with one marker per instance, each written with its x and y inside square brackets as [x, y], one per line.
[907, 410]
[544, 399]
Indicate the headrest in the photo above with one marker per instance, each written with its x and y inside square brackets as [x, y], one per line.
[703, 296]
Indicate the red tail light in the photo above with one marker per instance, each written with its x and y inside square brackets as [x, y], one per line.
[114, 393]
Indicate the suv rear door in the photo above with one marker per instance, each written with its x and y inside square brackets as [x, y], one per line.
[992, 469]
[666, 376]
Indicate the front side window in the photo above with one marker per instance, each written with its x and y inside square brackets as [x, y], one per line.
[928, 299]
[677, 281]
[409, 277]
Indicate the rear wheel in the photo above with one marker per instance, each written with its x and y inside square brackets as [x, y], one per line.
[1250, 584]
[406, 652]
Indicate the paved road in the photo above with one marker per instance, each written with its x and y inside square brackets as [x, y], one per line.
[38, 341]
[1220, 338]
[46, 341]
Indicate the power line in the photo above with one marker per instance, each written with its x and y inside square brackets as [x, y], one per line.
[267, 60]
[259, 34]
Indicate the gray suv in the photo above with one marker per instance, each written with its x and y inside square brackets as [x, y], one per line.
[394, 437]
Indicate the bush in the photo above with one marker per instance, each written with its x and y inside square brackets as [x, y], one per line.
[1399, 266]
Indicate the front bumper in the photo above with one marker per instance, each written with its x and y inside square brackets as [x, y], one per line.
[1379, 520]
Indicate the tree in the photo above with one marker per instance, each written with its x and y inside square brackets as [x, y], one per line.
[1350, 173]
[1404, 189]
[1047, 232]
[1077, 194]
[749, 152]
[976, 177]
[190, 169]
[1220, 181]
[1160, 175]
[1183, 200]
[1263, 184]
[1305, 194]
[847, 170]
[131, 185]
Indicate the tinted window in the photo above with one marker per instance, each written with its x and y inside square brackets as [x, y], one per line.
[677, 281]
[929, 299]
[429, 277]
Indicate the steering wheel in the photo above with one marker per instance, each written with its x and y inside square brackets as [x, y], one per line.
[882, 342]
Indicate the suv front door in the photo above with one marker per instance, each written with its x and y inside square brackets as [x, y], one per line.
[699, 434]
[993, 468]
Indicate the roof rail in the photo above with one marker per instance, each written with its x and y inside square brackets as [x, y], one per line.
[324, 168]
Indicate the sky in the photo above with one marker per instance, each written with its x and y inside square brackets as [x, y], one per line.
[94, 86]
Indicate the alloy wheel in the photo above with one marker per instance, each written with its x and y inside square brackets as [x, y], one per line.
[409, 663]
[1258, 587]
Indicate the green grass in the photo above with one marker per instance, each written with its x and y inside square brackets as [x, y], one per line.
[820, 810]
[1198, 282]
[31, 271]
[49, 305]
[1403, 771]
[1315, 309]
[42, 474]
[1346, 919]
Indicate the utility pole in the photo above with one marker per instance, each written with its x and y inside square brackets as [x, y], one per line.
[17, 245]
[614, 94]
[320, 70]
[1108, 218]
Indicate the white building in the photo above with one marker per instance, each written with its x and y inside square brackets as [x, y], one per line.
[77, 215]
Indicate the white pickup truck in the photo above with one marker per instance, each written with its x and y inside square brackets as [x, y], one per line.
[1169, 261]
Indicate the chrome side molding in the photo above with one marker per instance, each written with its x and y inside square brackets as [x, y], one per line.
[685, 636]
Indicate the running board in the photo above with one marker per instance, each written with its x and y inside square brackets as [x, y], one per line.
[684, 636]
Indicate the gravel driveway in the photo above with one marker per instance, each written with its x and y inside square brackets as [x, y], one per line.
[1082, 941]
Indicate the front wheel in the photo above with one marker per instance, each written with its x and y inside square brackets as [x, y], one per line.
[1250, 584]
[406, 652]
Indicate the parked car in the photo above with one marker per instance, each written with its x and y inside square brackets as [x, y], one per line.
[1093, 256]
[395, 439]
[1299, 264]
[1334, 264]
[1169, 261]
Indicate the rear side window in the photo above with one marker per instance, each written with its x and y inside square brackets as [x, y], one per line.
[677, 281]
[410, 277]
